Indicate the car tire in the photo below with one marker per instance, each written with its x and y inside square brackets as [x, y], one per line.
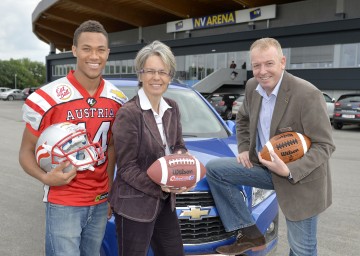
[10, 98]
[338, 126]
[228, 114]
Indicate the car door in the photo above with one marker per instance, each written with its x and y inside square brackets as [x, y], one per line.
[18, 94]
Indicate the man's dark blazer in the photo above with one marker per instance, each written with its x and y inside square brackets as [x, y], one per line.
[299, 107]
[137, 145]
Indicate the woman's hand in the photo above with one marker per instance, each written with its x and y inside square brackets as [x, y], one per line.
[176, 190]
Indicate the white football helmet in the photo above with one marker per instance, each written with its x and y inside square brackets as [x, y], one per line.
[67, 142]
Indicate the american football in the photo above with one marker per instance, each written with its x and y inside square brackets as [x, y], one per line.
[176, 171]
[289, 146]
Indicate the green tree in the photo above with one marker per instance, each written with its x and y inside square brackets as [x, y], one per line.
[25, 72]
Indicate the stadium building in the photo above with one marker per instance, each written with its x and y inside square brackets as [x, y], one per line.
[320, 38]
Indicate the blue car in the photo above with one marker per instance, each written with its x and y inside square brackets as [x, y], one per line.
[207, 137]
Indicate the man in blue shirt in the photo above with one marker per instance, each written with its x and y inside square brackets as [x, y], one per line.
[275, 102]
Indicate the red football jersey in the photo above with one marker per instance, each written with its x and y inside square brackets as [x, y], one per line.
[65, 100]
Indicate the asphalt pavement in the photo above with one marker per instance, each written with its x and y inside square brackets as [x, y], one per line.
[22, 212]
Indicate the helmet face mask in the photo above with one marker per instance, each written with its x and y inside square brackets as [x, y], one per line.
[67, 142]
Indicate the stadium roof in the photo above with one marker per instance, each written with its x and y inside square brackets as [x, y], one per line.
[54, 21]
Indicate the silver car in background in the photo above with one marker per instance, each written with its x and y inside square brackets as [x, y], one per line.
[13, 94]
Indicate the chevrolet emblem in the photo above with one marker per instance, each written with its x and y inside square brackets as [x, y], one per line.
[195, 213]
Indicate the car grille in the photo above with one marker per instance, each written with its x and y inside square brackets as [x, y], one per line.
[204, 230]
[194, 198]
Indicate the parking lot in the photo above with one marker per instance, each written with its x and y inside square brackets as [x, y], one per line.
[22, 211]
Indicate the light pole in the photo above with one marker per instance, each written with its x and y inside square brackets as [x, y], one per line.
[15, 80]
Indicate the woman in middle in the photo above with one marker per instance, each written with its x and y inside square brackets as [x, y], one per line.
[145, 129]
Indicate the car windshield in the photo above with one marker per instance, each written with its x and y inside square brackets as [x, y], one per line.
[327, 98]
[197, 119]
[349, 98]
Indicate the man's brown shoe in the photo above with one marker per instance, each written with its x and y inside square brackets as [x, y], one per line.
[242, 244]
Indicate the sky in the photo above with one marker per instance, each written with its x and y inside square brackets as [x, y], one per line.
[17, 39]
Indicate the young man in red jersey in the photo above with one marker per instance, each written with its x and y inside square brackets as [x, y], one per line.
[76, 201]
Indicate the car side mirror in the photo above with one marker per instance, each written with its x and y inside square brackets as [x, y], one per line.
[333, 100]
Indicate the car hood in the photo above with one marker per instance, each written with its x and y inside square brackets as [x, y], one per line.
[207, 149]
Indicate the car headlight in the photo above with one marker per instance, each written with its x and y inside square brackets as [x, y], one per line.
[259, 195]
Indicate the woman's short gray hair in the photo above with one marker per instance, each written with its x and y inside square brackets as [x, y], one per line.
[156, 48]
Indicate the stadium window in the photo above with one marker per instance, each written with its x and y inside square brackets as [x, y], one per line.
[63, 70]
[130, 67]
[68, 68]
[107, 68]
[348, 55]
[358, 55]
[117, 67]
[123, 67]
[112, 67]
[221, 61]
[312, 57]
[209, 63]
[180, 66]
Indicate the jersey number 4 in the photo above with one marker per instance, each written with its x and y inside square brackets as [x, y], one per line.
[101, 137]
